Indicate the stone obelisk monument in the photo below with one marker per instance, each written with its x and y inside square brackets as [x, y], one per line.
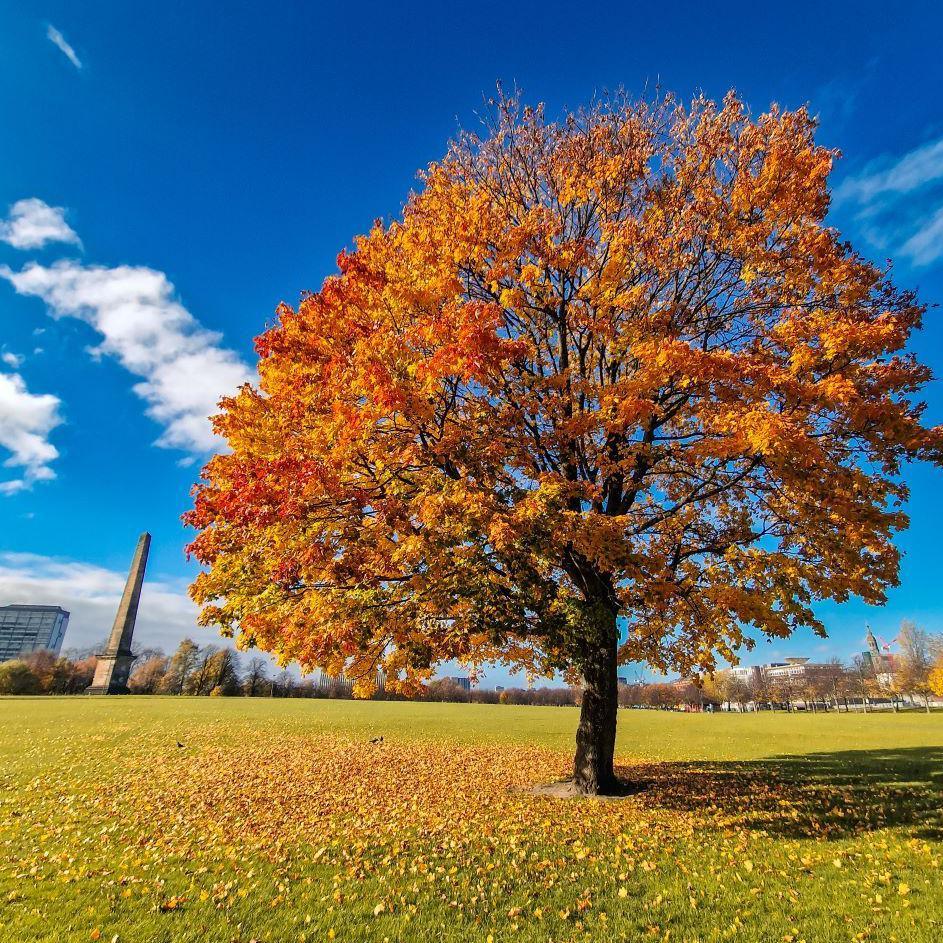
[114, 663]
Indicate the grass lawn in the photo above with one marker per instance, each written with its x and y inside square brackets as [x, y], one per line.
[280, 821]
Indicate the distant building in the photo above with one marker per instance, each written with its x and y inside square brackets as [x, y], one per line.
[499, 688]
[28, 629]
[793, 679]
[623, 681]
[748, 674]
[792, 669]
[463, 682]
[801, 669]
[882, 663]
[341, 684]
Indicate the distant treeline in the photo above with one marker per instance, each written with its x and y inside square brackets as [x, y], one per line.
[221, 672]
[214, 671]
[45, 673]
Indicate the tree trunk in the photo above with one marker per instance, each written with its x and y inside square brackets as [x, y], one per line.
[593, 772]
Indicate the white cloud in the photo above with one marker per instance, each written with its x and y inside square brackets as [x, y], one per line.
[925, 246]
[58, 40]
[898, 203]
[26, 419]
[894, 176]
[32, 223]
[182, 368]
[11, 360]
[91, 594]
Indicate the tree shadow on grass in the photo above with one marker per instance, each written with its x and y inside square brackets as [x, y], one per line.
[816, 795]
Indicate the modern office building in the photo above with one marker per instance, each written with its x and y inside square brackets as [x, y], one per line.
[28, 629]
[461, 681]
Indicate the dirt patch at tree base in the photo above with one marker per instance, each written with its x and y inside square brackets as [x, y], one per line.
[567, 789]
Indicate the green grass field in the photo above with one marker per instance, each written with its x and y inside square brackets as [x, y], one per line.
[280, 821]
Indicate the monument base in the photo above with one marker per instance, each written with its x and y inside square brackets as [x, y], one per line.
[111, 673]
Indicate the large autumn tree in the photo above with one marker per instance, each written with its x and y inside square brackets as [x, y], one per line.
[610, 390]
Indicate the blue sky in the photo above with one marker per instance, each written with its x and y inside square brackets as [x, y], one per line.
[170, 172]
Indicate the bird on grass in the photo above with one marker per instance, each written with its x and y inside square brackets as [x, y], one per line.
[181, 745]
[377, 740]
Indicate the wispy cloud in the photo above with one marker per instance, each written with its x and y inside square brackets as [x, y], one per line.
[925, 246]
[898, 203]
[33, 223]
[26, 420]
[58, 40]
[836, 101]
[11, 359]
[91, 594]
[183, 369]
